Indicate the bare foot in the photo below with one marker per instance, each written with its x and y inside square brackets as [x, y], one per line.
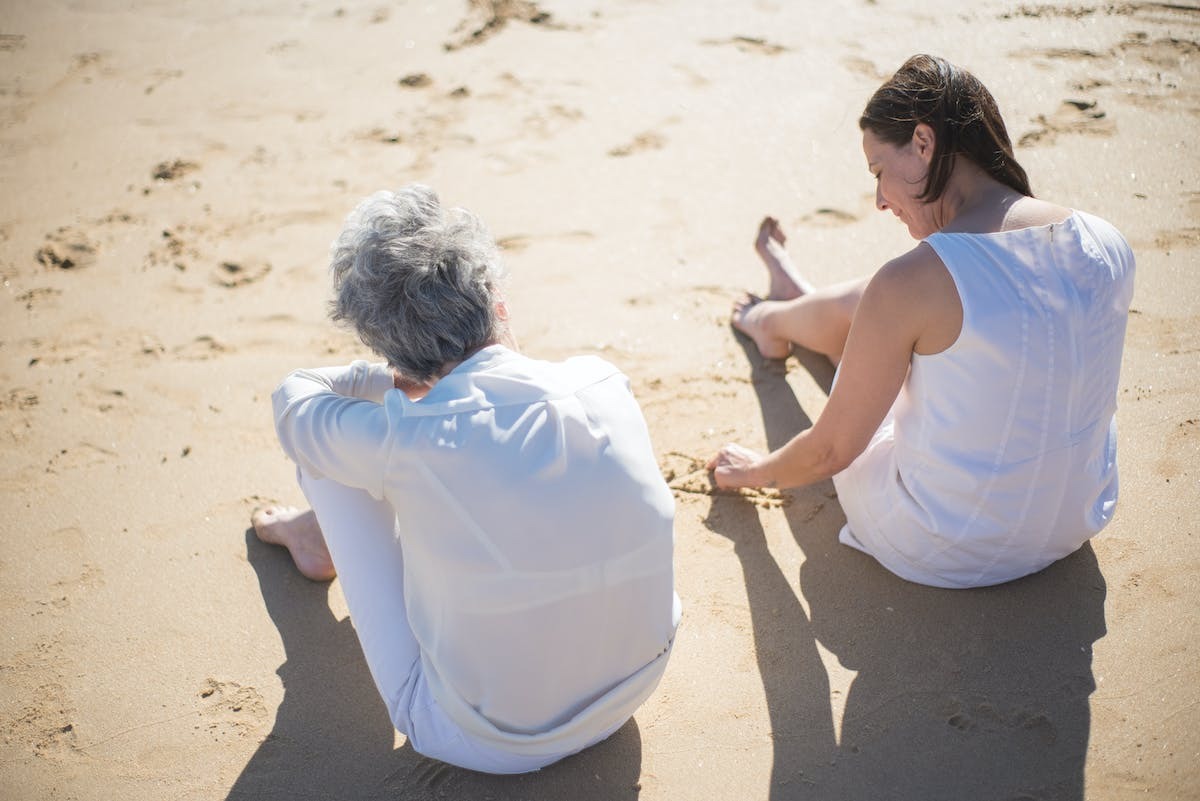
[749, 316]
[785, 280]
[300, 533]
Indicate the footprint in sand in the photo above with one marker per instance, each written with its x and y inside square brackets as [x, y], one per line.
[1150, 71]
[648, 140]
[88, 65]
[45, 722]
[1181, 441]
[1072, 116]
[425, 135]
[552, 120]
[748, 44]
[84, 454]
[488, 17]
[67, 249]
[161, 76]
[1060, 54]
[416, 80]
[1177, 238]
[382, 135]
[828, 217]
[108, 399]
[862, 66]
[172, 249]
[173, 170]
[1166, 73]
[228, 708]
[436, 777]
[988, 717]
[18, 414]
[515, 243]
[232, 274]
[89, 577]
[20, 399]
[201, 348]
[37, 296]
[968, 716]
[1167, 54]
[959, 721]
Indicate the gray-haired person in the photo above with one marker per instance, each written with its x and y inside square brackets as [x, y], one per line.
[499, 524]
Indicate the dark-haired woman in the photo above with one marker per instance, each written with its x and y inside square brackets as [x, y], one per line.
[970, 431]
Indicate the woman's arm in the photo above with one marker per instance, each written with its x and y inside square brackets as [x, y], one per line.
[904, 308]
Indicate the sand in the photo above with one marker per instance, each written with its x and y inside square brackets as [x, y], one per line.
[172, 175]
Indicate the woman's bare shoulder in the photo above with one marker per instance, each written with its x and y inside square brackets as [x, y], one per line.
[914, 270]
[1031, 212]
[920, 289]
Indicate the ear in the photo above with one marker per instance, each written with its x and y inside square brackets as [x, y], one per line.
[502, 311]
[923, 141]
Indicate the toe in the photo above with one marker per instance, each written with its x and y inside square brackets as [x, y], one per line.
[267, 521]
[263, 514]
[743, 304]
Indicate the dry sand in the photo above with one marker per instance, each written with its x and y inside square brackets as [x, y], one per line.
[172, 175]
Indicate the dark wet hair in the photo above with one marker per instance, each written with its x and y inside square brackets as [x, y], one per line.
[961, 112]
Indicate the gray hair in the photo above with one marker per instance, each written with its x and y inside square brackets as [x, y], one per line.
[418, 284]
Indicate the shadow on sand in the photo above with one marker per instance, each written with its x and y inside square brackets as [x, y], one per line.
[332, 738]
[978, 694]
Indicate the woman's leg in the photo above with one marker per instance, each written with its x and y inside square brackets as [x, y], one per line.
[794, 312]
[359, 532]
[819, 321]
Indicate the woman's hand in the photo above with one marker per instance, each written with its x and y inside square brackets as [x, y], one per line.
[735, 466]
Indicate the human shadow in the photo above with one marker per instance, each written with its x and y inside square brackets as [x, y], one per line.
[332, 738]
[795, 682]
[978, 694]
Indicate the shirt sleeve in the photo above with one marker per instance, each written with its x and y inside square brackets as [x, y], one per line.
[331, 424]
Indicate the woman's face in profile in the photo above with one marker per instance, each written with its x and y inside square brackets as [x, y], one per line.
[899, 178]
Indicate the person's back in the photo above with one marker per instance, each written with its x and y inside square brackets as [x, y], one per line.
[1005, 442]
[537, 532]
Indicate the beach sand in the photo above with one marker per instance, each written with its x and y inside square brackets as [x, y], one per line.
[173, 173]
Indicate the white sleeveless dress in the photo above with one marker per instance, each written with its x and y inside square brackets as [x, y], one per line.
[999, 454]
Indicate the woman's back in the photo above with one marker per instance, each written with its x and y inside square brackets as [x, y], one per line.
[1004, 450]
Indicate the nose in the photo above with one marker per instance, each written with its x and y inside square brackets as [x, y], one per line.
[880, 202]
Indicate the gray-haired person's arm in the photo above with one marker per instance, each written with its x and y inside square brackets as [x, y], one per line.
[330, 422]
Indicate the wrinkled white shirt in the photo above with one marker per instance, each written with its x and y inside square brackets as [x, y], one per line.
[535, 526]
